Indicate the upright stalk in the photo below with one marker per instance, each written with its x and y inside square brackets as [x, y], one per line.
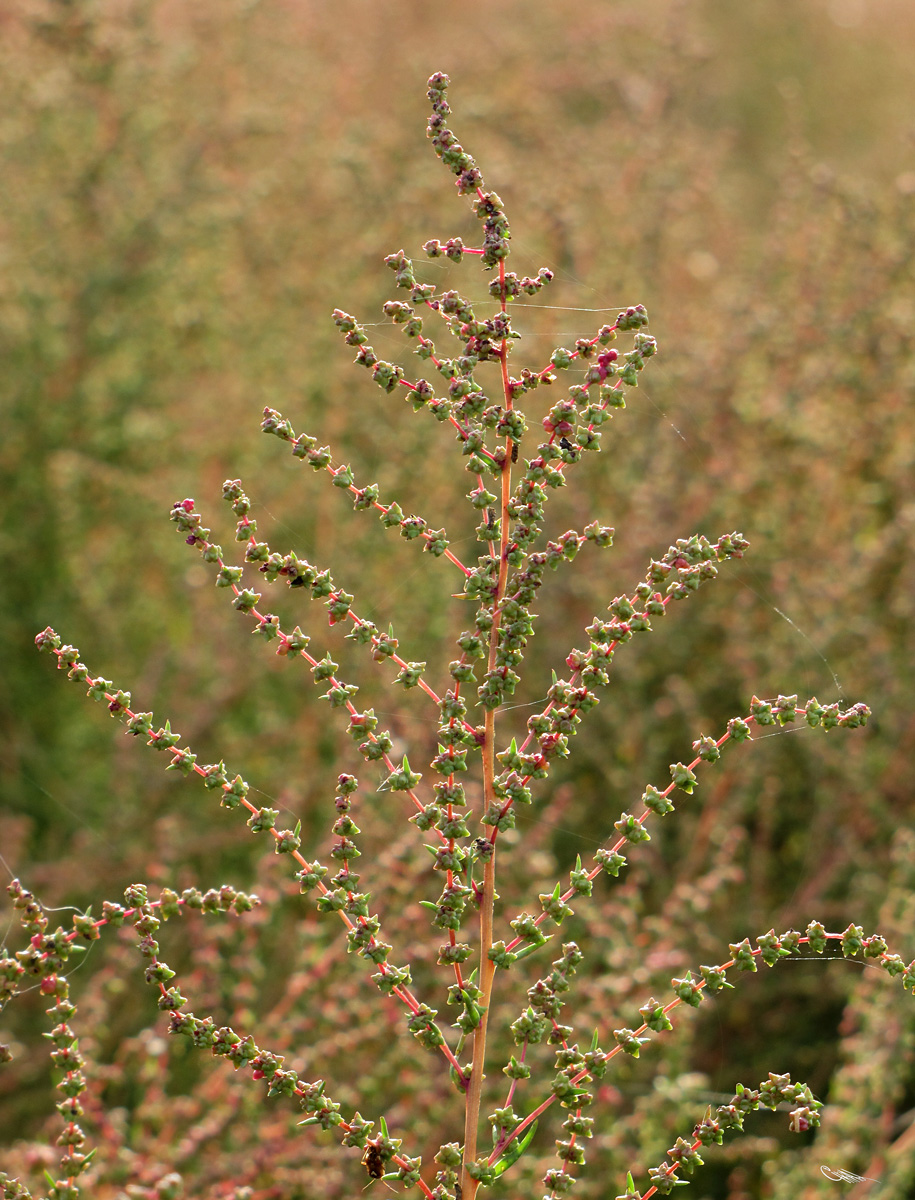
[487, 899]
[487, 975]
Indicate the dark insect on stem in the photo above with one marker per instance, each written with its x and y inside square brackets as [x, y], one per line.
[490, 518]
[373, 1161]
[514, 452]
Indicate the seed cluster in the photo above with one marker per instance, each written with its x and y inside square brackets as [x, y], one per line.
[471, 785]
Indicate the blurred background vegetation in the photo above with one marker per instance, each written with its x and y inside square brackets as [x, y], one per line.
[188, 190]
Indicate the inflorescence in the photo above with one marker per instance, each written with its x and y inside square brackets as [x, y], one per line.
[470, 390]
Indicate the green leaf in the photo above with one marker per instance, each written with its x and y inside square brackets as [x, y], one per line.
[514, 1152]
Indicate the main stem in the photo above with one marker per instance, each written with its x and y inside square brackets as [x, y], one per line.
[487, 899]
[487, 974]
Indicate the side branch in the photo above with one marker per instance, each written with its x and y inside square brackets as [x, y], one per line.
[360, 927]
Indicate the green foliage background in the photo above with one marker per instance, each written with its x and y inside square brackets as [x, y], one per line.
[188, 190]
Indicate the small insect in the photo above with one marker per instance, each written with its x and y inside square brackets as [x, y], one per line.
[514, 452]
[490, 518]
[565, 443]
[373, 1161]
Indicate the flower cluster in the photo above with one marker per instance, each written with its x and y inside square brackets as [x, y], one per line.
[468, 793]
